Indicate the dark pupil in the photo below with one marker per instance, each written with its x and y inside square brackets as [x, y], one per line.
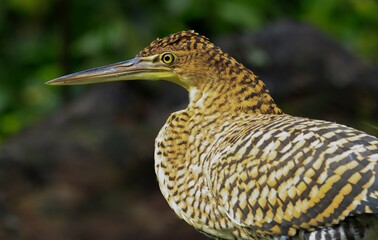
[167, 58]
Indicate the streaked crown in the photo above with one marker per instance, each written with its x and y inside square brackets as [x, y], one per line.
[181, 41]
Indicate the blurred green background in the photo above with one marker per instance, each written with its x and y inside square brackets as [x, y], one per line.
[43, 39]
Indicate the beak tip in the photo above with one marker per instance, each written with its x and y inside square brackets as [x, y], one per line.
[58, 81]
[52, 82]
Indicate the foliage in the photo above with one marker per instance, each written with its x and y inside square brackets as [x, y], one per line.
[43, 39]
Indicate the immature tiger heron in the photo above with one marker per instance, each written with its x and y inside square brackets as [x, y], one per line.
[234, 166]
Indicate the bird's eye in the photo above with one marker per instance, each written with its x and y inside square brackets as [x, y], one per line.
[167, 58]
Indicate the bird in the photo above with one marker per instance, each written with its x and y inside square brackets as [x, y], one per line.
[233, 165]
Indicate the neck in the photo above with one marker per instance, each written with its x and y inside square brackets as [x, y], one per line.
[237, 91]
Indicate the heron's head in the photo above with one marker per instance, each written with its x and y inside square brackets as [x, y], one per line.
[185, 58]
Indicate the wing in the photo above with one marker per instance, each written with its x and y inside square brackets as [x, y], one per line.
[282, 174]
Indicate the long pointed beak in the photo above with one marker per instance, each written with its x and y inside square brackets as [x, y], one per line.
[134, 69]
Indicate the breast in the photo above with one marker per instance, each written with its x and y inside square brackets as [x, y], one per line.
[180, 166]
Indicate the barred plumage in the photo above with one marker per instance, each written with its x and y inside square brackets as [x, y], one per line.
[235, 167]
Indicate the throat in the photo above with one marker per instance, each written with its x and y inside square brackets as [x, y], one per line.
[239, 98]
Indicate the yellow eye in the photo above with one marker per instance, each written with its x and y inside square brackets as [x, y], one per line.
[167, 58]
